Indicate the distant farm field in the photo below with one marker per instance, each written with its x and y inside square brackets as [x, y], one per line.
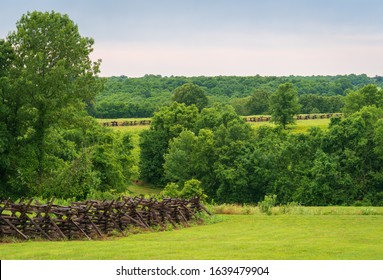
[343, 235]
[300, 126]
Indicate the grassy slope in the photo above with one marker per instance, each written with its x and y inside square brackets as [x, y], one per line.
[328, 233]
[236, 237]
[143, 189]
[300, 126]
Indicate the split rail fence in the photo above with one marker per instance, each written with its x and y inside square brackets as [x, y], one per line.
[92, 218]
[247, 119]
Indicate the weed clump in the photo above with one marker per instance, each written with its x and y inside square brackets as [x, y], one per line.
[267, 204]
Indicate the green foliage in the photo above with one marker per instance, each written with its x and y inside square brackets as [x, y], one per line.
[259, 102]
[153, 146]
[284, 105]
[190, 94]
[266, 205]
[316, 168]
[171, 190]
[179, 159]
[314, 104]
[76, 179]
[203, 155]
[125, 97]
[167, 124]
[241, 106]
[366, 96]
[192, 188]
[50, 77]
[49, 146]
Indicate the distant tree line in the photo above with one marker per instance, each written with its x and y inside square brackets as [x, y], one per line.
[124, 97]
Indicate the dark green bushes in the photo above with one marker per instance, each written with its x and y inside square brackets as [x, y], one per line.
[340, 166]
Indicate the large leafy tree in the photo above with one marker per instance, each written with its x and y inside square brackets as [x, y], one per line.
[366, 96]
[259, 101]
[167, 124]
[189, 94]
[284, 104]
[211, 155]
[6, 57]
[51, 77]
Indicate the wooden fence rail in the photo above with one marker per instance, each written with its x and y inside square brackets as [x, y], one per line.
[297, 117]
[92, 218]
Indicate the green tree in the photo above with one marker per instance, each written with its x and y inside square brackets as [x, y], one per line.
[6, 58]
[352, 142]
[241, 106]
[259, 102]
[284, 105]
[180, 160]
[366, 96]
[51, 79]
[86, 159]
[192, 188]
[167, 124]
[313, 103]
[324, 186]
[189, 94]
[209, 154]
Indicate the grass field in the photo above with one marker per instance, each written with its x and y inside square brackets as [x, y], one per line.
[300, 126]
[278, 237]
[297, 233]
[143, 189]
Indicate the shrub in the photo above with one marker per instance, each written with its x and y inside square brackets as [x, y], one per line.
[171, 190]
[267, 204]
[192, 188]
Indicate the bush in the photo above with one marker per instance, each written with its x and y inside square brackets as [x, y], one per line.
[267, 204]
[192, 188]
[171, 190]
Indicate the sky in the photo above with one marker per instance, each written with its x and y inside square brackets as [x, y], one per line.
[222, 37]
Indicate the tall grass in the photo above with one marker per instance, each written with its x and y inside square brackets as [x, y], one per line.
[295, 209]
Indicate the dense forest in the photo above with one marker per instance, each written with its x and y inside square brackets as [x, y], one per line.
[124, 97]
[197, 144]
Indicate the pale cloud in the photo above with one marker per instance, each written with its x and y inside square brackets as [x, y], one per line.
[223, 37]
[263, 54]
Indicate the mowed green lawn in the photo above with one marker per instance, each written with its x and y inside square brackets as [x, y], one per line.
[278, 237]
[308, 234]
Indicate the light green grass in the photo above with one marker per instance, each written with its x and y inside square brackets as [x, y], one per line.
[301, 126]
[143, 189]
[278, 237]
